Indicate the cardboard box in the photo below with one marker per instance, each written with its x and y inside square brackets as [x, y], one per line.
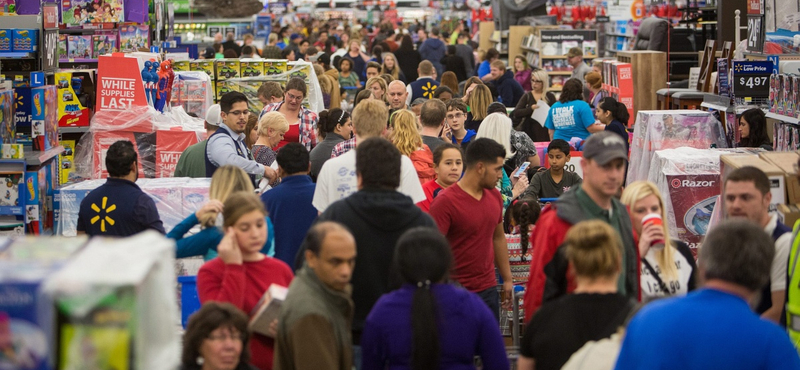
[252, 68]
[36, 116]
[227, 69]
[789, 214]
[728, 163]
[6, 40]
[26, 40]
[206, 66]
[786, 161]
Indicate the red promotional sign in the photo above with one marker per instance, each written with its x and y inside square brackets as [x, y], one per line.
[169, 146]
[119, 83]
[624, 88]
[693, 199]
[754, 7]
[102, 141]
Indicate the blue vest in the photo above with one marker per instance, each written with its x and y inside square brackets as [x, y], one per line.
[423, 88]
[109, 210]
[766, 292]
[210, 167]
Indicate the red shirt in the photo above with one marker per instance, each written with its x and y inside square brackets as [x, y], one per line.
[469, 226]
[431, 189]
[291, 136]
[243, 285]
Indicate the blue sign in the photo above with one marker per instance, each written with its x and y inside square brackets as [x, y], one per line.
[747, 67]
[263, 26]
[751, 79]
[37, 79]
[722, 75]
[775, 63]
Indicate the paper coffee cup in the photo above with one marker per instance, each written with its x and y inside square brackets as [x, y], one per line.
[654, 219]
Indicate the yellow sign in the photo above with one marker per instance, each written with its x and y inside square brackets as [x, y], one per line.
[105, 210]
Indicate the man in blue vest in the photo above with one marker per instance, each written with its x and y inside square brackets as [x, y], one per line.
[226, 145]
[425, 85]
[747, 195]
[119, 207]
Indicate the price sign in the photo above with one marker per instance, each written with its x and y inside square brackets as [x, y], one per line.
[751, 79]
[755, 33]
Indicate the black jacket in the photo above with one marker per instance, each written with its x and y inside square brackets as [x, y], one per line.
[509, 91]
[521, 116]
[409, 62]
[377, 219]
[455, 64]
[232, 45]
[465, 52]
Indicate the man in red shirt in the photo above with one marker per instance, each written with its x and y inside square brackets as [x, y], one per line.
[470, 215]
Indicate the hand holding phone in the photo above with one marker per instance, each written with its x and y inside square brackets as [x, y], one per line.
[521, 169]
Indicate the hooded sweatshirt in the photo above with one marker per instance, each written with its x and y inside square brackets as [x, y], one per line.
[433, 50]
[377, 219]
[509, 91]
[423, 163]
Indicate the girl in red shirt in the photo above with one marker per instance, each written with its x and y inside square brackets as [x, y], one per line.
[448, 162]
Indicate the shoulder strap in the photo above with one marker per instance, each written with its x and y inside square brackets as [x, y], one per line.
[655, 275]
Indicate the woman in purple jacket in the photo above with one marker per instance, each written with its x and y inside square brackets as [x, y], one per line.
[428, 323]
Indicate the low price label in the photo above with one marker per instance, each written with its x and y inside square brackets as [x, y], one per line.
[751, 79]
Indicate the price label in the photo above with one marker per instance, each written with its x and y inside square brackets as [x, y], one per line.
[751, 79]
[18, 78]
[755, 33]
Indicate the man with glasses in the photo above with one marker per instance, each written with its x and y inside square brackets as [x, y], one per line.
[226, 146]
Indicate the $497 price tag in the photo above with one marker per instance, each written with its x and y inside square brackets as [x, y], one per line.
[752, 82]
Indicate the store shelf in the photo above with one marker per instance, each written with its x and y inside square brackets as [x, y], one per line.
[78, 60]
[565, 57]
[529, 49]
[73, 130]
[36, 158]
[17, 55]
[783, 118]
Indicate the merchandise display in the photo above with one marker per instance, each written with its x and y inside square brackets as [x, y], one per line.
[71, 111]
[193, 91]
[36, 116]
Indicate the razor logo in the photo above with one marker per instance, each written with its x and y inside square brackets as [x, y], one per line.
[677, 183]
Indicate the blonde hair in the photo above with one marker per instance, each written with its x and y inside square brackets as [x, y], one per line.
[272, 120]
[479, 101]
[637, 191]
[380, 81]
[499, 64]
[594, 249]
[497, 127]
[239, 204]
[226, 180]
[395, 73]
[369, 118]
[542, 75]
[406, 136]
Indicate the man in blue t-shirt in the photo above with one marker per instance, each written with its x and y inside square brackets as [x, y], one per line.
[714, 327]
[119, 207]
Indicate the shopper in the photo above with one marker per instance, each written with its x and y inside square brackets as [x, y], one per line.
[579, 68]
[372, 70]
[425, 85]
[348, 78]
[594, 311]
[603, 163]
[335, 127]
[225, 181]
[747, 195]
[192, 162]
[443, 93]
[529, 102]
[241, 274]
[378, 87]
[231, 44]
[314, 326]
[226, 146]
[485, 68]
[753, 130]
[408, 59]
[271, 130]
[302, 121]
[522, 73]
[119, 207]
[448, 163]
[398, 95]
[735, 262]
[470, 215]
[594, 82]
[377, 215]
[464, 50]
[251, 132]
[216, 338]
[428, 323]
[359, 59]
[519, 147]
[407, 139]
[433, 50]
[520, 219]
[270, 92]
[556, 180]
[614, 115]
[450, 81]
[337, 178]
[271, 50]
[453, 63]
[432, 119]
[509, 91]
[571, 116]
[478, 101]
[456, 119]
[392, 67]
[668, 268]
[498, 128]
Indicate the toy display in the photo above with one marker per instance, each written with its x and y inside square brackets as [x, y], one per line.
[25, 40]
[66, 161]
[36, 116]
[6, 37]
[79, 47]
[7, 126]
[62, 46]
[70, 110]
[103, 44]
[227, 69]
[8, 7]
[79, 12]
[133, 37]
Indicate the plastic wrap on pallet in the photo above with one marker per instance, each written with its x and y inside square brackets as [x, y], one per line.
[249, 86]
[658, 130]
[193, 91]
[175, 199]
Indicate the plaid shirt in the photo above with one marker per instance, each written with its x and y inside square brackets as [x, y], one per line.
[343, 147]
[308, 124]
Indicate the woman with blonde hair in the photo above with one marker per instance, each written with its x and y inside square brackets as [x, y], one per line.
[378, 87]
[271, 129]
[225, 181]
[668, 266]
[595, 310]
[391, 67]
[406, 137]
[540, 84]
[479, 99]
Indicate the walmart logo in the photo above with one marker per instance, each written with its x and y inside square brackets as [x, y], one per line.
[105, 218]
[428, 90]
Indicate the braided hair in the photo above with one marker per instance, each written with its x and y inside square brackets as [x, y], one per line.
[523, 212]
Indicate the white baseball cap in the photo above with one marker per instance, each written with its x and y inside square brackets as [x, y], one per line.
[213, 115]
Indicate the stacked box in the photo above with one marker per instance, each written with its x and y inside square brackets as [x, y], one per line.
[252, 68]
[66, 161]
[205, 65]
[6, 40]
[79, 47]
[275, 67]
[7, 125]
[26, 40]
[36, 116]
[181, 66]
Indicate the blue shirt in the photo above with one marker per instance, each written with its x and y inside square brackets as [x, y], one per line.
[570, 120]
[118, 208]
[205, 242]
[467, 328]
[290, 205]
[484, 68]
[707, 329]
[226, 149]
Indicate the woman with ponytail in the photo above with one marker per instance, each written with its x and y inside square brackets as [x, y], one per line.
[334, 127]
[615, 116]
[428, 323]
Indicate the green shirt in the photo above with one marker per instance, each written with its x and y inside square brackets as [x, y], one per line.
[192, 162]
[594, 212]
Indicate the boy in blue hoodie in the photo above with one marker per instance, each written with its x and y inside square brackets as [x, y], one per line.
[454, 127]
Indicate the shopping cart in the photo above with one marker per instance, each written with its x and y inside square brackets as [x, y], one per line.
[512, 324]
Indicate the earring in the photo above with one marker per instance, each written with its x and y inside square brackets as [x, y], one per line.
[200, 360]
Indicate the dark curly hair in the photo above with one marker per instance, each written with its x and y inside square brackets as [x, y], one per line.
[523, 212]
[573, 90]
[210, 317]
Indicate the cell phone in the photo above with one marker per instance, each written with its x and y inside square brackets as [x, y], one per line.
[522, 169]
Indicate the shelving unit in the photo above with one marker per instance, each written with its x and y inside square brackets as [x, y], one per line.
[15, 65]
[550, 40]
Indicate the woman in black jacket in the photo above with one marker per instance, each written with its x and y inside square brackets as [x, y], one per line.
[522, 113]
[408, 59]
[454, 63]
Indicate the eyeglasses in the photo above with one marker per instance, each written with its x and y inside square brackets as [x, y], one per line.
[293, 97]
[238, 113]
[454, 116]
[537, 81]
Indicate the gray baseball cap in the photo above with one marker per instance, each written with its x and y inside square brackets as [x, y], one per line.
[603, 147]
[213, 115]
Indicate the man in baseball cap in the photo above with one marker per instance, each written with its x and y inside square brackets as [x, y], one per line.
[192, 161]
[603, 164]
[579, 68]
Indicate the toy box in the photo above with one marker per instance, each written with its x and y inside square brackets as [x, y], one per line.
[206, 66]
[299, 69]
[6, 40]
[275, 67]
[227, 69]
[224, 87]
[133, 37]
[181, 66]
[7, 126]
[66, 161]
[36, 207]
[25, 40]
[62, 46]
[13, 151]
[10, 193]
[78, 12]
[67, 202]
[36, 116]
[252, 68]
[103, 44]
[70, 110]
[79, 47]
